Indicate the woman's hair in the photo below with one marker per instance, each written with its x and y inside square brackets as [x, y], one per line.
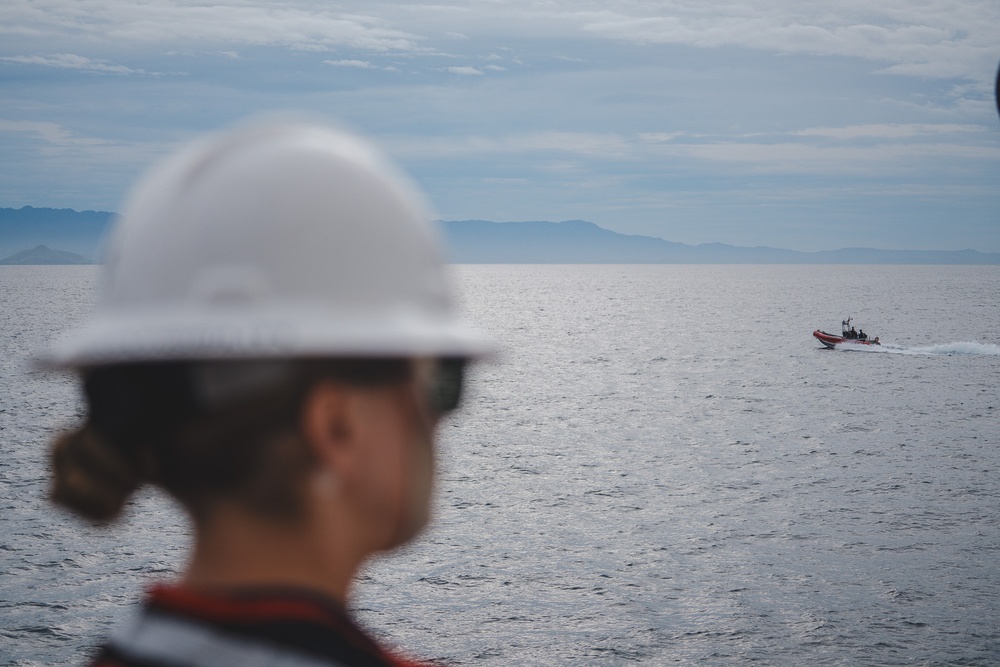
[202, 431]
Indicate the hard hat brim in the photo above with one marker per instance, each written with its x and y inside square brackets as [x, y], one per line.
[279, 334]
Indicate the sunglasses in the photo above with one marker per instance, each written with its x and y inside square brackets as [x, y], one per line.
[442, 384]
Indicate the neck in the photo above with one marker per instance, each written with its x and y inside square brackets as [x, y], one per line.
[236, 549]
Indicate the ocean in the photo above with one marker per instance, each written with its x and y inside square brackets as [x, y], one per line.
[662, 467]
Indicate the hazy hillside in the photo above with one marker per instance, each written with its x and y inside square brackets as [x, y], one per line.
[576, 241]
[63, 229]
[481, 241]
[44, 255]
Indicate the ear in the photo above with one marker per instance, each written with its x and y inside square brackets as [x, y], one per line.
[328, 427]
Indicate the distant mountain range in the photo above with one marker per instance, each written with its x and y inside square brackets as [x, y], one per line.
[79, 232]
[43, 255]
[580, 242]
[479, 242]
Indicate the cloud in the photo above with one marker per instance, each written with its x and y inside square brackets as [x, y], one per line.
[885, 131]
[48, 132]
[602, 145]
[801, 158]
[297, 25]
[59, 140]
[659, 137]
[935, 38]
[750, 157]
[72, 61]
[358, 64]
[465, 71]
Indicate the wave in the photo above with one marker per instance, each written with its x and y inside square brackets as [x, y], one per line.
[946, 349]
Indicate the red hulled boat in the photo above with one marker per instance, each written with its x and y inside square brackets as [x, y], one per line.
[848, 336]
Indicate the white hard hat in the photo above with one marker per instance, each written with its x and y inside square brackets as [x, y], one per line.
[272, 241]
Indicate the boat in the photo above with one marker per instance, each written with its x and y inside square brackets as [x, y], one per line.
[848, 336]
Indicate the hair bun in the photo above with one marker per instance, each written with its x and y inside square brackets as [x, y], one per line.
[90, 476]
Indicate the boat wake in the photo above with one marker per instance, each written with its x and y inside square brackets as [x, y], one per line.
[944, 349]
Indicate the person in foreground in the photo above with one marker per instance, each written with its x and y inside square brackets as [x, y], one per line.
[274, 348]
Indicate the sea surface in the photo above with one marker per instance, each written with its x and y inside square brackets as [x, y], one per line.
[662, 467]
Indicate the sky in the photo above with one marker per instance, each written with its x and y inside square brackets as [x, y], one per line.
[808, 126]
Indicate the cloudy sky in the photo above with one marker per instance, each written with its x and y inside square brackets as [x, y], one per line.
[809, 126]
